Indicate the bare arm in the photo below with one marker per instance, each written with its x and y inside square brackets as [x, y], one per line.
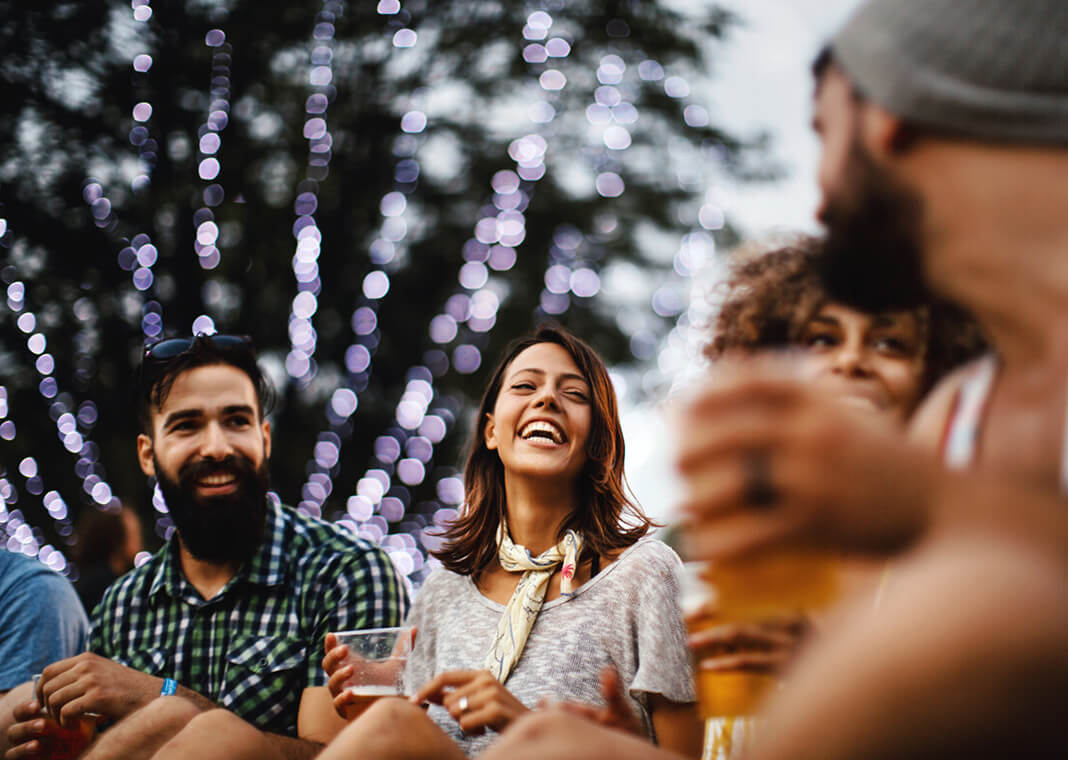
[966, 659]
[928, 423]
[317, 720]
[678, 728]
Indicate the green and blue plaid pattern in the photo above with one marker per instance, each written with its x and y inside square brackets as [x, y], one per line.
[257, 644]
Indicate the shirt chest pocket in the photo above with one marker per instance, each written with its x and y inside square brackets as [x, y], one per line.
[264, 674]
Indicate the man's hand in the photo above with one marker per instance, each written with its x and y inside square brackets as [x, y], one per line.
[89, 683]
[769, 460]
[760, 647]
[34, 735]
[474, 698]
[616, 713]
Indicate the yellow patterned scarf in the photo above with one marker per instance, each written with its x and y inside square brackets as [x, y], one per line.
[523, 608]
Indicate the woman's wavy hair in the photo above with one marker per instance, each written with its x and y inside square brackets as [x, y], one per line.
[608, 518]
[771, 297]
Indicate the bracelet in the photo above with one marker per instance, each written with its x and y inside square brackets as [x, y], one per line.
[169, 687]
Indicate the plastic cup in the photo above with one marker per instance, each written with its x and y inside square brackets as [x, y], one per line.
[378, 657]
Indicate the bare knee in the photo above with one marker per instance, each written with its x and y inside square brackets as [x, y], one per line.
[537, 724]
[540, 734]
[215, 733]
[393, 711]
[392, 728]
[220, 720]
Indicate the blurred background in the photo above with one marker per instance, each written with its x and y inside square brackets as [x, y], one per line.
[382, 195]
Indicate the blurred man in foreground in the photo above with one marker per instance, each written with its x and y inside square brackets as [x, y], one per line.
[232, 612]
[945, 151]
[41, 621]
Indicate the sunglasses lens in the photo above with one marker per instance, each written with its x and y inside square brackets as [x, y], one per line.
[229, 341]
[168, 349]
[172, 347]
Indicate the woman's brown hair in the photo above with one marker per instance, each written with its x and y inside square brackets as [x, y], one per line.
[606, 517]
[772, 297]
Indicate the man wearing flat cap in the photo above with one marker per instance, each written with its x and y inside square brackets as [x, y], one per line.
[944, 169]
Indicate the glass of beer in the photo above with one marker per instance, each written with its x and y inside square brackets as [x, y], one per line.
[378, 657]
[769, 585]
[65, 743]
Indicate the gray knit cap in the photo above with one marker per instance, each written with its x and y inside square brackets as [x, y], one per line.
[989, 69]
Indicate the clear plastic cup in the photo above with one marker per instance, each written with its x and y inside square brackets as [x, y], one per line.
[378, 657]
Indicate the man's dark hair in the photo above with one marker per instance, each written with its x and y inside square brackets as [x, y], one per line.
[157, 376]
[822, 62]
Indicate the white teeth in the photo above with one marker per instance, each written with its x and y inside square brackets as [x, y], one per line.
[216, 480]
[542, 429]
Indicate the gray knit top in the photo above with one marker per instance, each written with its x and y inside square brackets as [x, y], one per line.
[627, 616]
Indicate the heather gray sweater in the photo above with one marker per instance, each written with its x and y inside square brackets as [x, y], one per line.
[627, 616]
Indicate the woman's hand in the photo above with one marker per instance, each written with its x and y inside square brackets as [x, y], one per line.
[763, 647]
[338, 664]
[474, 698]
[334, 663]
[616, 713]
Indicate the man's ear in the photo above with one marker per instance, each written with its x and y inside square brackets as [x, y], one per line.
[144, 455]
[266, 429]
[885, 133]
[489, 433]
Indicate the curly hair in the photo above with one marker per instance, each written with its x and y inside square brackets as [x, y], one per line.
[770, 299]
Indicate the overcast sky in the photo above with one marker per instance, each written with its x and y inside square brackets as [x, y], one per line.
[761, 82]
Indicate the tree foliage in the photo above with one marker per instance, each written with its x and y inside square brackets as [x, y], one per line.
[85, 185]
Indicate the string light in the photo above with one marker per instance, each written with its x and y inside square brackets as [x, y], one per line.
[140, 255]
[16, 534]
[209, 141]
[72, 424]
[300, 363]
[383, 252]
[474, 305]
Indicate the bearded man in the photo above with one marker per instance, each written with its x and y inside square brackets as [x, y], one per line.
[233, 610]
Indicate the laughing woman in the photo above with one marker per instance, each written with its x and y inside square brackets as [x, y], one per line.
[549, 590]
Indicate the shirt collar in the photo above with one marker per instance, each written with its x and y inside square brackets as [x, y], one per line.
[267, 567]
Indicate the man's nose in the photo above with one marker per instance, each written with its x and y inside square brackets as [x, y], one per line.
[214, 443]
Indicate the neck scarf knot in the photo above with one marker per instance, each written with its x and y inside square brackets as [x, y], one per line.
[523, 608]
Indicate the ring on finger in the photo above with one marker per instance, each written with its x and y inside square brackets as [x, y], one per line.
[463, 704]
[757, 489]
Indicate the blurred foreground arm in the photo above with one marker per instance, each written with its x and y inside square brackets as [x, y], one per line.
[967, 657]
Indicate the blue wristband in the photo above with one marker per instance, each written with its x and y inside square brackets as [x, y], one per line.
[169, 687]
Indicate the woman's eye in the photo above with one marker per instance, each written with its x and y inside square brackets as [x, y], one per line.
[576, 394]
[821, 340]
[524, 386]
[894, 345]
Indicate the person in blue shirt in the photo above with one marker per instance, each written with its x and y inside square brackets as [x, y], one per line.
[41, 621]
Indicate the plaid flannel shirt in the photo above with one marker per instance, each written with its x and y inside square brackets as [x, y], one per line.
[257, 644]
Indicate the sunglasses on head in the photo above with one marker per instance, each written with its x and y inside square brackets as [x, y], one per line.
[168, 349]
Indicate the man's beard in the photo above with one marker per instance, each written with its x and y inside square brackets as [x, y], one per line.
[873, 256]
[221, 528]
